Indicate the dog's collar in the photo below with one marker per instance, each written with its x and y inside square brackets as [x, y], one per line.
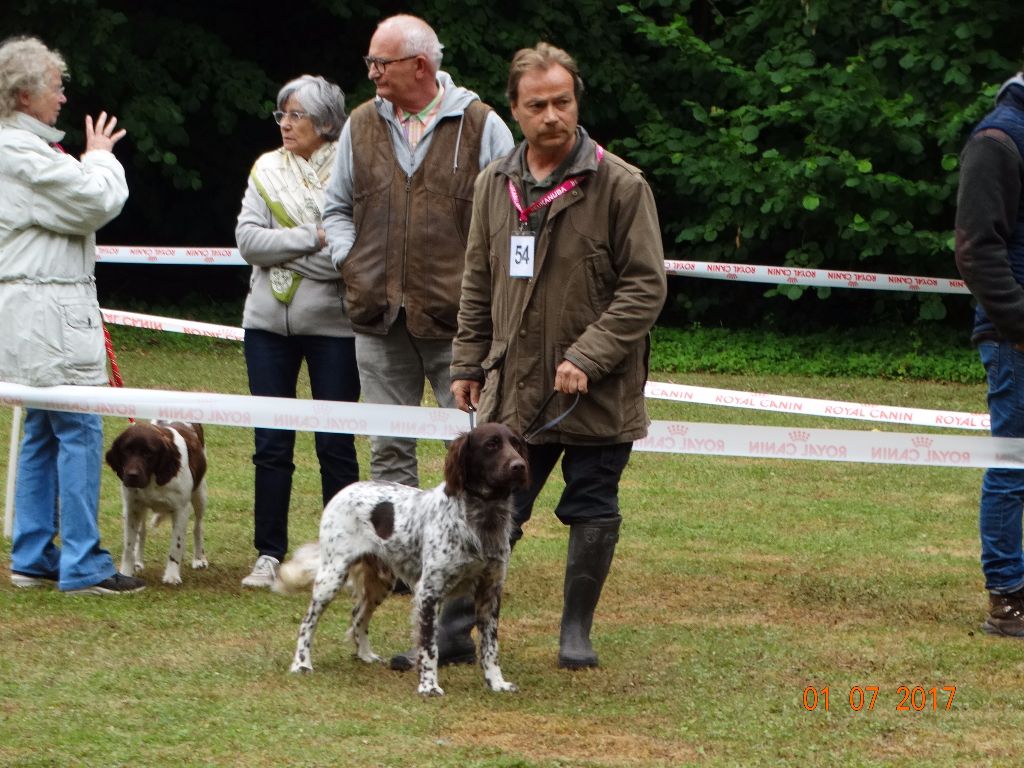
[487, 494]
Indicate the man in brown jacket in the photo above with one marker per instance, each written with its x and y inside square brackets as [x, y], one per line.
[564, 279]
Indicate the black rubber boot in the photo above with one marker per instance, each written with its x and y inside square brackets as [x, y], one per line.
[454, 637]
[591, 548]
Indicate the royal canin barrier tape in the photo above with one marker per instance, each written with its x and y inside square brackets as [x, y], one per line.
[144, 254]
[656, 390]
[171, 325]
[808, 406]
[826, 278]
[441, 423]
[830, 278]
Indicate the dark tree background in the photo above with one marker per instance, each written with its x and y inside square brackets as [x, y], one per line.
[812, 134]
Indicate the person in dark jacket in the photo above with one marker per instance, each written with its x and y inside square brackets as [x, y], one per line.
[990, 257]
[564, 278]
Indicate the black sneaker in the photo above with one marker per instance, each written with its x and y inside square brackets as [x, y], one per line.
[118, 584]
[1006, 614]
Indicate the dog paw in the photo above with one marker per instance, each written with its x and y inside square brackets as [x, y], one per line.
[370, 658]
[301, 669]
[505, 687]
[200, 563]
[429, 690]
[172, 578]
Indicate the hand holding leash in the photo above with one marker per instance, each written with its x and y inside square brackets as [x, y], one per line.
[570, 379]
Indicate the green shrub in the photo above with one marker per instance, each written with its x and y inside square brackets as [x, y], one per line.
[938, 355]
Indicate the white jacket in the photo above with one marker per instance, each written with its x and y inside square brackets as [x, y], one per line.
[50, 208]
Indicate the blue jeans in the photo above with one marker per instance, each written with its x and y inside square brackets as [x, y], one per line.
[58, 491]
[273, 362]
[1002, 490]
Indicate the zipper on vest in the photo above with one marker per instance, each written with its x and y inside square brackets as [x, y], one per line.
[405, 243]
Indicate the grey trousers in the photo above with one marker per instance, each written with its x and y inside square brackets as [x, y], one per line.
[392, 370]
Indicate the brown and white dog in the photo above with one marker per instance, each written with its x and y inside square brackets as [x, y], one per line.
[162, 467]
[449, 541]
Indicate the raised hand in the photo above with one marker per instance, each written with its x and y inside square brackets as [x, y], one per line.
[101, 135]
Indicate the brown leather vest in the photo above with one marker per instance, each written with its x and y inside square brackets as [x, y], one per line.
[411, 231]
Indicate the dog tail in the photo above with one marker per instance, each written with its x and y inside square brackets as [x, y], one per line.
[298, 573]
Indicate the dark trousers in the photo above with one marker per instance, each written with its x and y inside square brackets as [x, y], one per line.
[273, 362]
[591, 474]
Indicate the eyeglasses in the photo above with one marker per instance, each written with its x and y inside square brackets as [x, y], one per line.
[294, 116]
[382, 64]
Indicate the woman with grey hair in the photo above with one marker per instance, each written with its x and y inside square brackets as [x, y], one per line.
[53, 332]
[294, 310]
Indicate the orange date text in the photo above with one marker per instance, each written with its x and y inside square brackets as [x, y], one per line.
[867, 698]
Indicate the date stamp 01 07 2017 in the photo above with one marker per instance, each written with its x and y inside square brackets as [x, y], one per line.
[865, 698]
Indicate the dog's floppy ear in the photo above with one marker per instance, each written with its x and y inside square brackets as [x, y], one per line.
[168, 458]
[455, 465]
[115, 456]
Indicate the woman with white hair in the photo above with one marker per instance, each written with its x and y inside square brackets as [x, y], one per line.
[294, 310]
[53, 332]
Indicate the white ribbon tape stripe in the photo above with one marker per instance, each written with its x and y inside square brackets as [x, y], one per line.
[835, 409]
[442, 423]
[140, 254]
[752, 273]
[833, 445]
[808, 406]
[187, 255]
[169, 324]
[242, 410]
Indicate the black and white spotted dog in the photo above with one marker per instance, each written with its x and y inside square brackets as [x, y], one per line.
[449, 541]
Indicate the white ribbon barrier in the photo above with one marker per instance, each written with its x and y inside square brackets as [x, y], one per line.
[141, 254]
[836, 409]
[808, 406]
[832, 445]
[171, 325]
[751, 273]
[243, 410]
[442, 423]
[826, 278]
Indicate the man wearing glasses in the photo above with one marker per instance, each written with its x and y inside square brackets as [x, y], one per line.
[397, 214]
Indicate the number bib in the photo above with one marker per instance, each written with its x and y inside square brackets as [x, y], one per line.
[520, 261]
[522, 246]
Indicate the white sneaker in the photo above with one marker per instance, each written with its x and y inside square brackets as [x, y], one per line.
[264, 573]
[27, 581]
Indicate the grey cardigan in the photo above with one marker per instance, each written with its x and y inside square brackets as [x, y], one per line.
[318, 305]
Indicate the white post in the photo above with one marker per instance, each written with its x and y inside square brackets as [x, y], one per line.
[12, 471]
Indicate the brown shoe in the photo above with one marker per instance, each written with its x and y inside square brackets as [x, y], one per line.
[1005, 614]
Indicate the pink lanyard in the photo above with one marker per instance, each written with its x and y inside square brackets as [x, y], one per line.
[550, 197]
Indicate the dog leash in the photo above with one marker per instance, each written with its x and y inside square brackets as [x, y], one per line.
[115, 373]
[528, 435]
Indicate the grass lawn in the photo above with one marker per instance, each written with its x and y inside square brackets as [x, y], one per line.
[738, 585]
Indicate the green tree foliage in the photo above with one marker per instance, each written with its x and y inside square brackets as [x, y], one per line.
[814, 134]
[174, 84]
